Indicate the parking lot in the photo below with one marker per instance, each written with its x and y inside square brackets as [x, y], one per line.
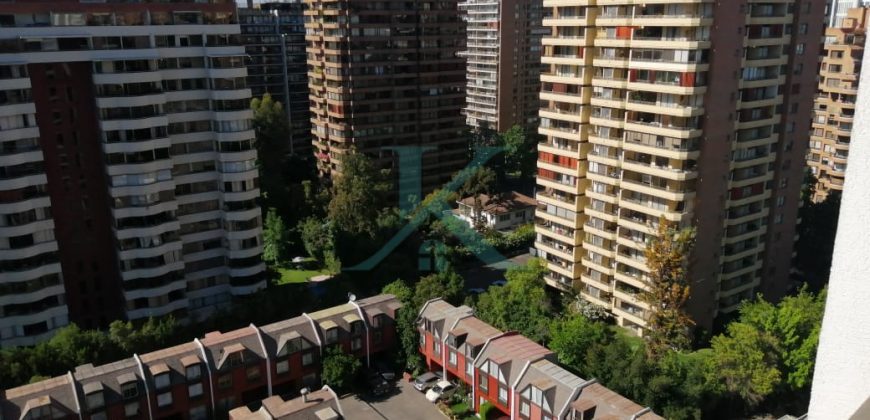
[404, 402]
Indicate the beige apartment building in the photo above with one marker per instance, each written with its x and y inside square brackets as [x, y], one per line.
[835, 102]
[694, 111]
[503, 62]
[384, 75]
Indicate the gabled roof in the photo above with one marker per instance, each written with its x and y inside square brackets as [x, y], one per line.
[500, 204]
[56, 392]
[321, 404]
[609, 404]
[558, 385]
[220, 345]
[514, 349]
[277, 335]
[476, 331]
[442, 315]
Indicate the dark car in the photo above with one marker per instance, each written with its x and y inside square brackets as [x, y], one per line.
[386, 370]
[377, 384]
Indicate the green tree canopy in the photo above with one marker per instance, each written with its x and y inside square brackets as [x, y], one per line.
[522, 304]
[358, 196]
[339, 369]
[572, 337]
[276, 238]
[746, 361]
[521, 151]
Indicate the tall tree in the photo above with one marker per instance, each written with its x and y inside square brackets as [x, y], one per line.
[273, 140]
[358, 195]
[318, 237]
[520, 305]
[276, 238]
[482, 181]
[446, 284]
[520, 151]
[339, 368]
[572, 337]
[745, 362]
[667, 258]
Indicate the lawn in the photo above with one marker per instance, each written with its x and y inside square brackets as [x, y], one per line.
[291, 275]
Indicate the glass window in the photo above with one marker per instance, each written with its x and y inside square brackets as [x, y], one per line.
[282, 367]
[95, 400]
[332, 335]
[132, 409]
[193, 372]
[307, 359]
[161, 380]
[525, 409]
[194, 390]
[198, 413]
[225, 381]
[253, 373]
[130, 390]
[502, 394]
[356, 343]
[164, 399]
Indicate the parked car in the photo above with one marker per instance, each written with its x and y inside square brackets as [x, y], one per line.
[426, 381]
[440, 391]
[499, 283]
[377, 384]
[386, 370]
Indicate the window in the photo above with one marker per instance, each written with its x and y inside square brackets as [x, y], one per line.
[282, 367]
[437, 347]
[378, 321]
[502, 394]
[484, 381]
[193, 372]
[164, 399]
[253, 373]
[99, 416]
[225, 381]
[377, 336]
[423, 340]
[95, 400]
[307, 359]
[332, 335]
[504, 217]
[132, 409]
[803, 28]
[469, 369]
[129, 390]
[356, 343]
[161, 381]
[194, 390]
[525, 409]
[452, 358]
[198, 413]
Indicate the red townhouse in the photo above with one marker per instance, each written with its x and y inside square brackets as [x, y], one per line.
[517, 376]
[204, 379]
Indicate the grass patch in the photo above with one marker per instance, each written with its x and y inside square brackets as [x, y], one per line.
[633, 340]
[292, 275]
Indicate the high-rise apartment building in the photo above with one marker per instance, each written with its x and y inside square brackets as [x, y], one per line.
[838, 10]
[273, 34]
[695, 112]
[128, 182]
[835, 103]
[503, 61]
[383, 75]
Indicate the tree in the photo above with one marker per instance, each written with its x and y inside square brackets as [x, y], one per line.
[358, 196]
[520, 305]
[572, 337]
[745, 362]
[276, 239]
[317, 237]
[482, 180]
[400, 290]
[666, 257]
[273, 140]
[520, 152]
[447, 285]
[578, 305]
[339, 369]
[151, 335]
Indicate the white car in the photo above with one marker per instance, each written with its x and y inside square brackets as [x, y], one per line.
[441, 390]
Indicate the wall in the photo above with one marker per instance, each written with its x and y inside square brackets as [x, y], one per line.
[841, 382]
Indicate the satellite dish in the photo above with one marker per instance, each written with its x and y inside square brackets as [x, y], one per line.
[351, 297]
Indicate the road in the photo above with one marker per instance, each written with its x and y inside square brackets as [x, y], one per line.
[481, 276]
[403, 403]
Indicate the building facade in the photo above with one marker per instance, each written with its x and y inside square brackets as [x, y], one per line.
[385, 75]
[208, 377]
[835, 102]
[273, 34]
[503, 62]
[838, 10]
[695, 112]
[518, 377]
[129, 182]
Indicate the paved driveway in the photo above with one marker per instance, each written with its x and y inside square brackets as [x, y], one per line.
[403, 403]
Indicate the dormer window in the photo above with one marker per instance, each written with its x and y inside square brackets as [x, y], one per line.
[95, 400]
[129, 390]
[235, 359]
[357, 328]
[332, 335]
[378, 321]
[161, 381]
[193, 372]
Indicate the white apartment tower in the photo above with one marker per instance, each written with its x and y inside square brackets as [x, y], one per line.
[129, 183]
